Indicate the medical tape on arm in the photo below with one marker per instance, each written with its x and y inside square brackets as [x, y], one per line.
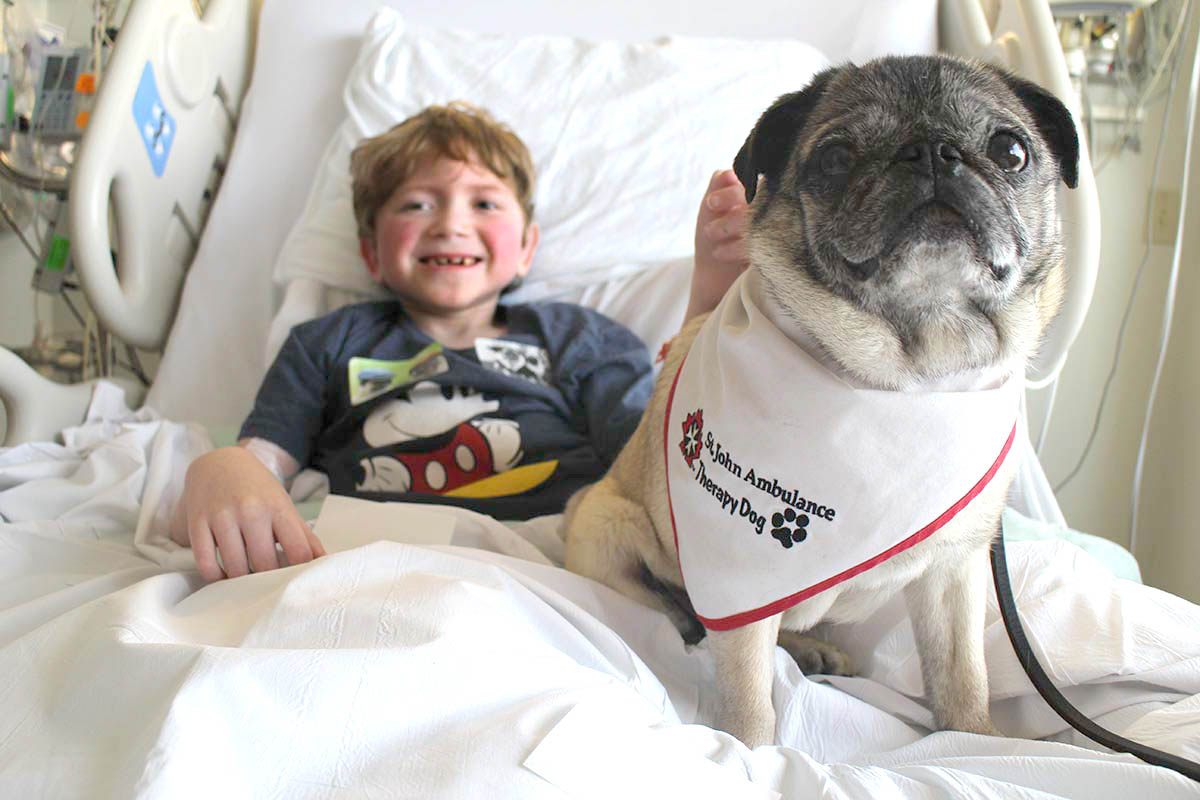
[271, 456]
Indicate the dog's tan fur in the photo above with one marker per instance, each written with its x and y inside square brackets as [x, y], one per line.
[620, 529]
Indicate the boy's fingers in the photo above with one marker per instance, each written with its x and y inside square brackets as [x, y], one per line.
[259, 537]
[727, 226]
[723, 228]
[723, 177]
[313, 542]
[723, 189]
[291, 532]
[232, 548]
[722, 215]
[729, 200]
[204, 549]
[733, 251]
[733, 196]
[718, 230]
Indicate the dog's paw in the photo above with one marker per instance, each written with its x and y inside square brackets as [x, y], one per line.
[684, 621]
[813, 656]
[691, 630]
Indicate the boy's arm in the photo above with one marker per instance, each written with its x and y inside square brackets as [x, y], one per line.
[234, 504]
[720, 242]
[616, 381]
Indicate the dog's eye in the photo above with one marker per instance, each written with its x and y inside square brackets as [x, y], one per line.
[835, 160]
[1008, 151]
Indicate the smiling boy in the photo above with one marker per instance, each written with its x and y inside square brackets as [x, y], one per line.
[441, 394]
[454, 233]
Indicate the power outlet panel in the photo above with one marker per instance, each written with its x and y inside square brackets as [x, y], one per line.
[1164, 219]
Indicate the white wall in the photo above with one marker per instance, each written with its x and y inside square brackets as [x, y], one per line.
[1170, 514]
[1099, 499]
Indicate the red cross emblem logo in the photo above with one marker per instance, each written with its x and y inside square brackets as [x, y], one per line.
[693, 429]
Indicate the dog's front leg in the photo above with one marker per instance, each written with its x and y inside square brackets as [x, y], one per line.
[611, 539]
[946, 605]
[745, 664]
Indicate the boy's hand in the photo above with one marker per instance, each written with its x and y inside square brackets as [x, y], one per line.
[232, 504]
[720, 242]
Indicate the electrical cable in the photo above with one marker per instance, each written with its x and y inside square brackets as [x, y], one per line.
[1167, 52]
[97, 37]
[1126, 130]
[1050, 693]
[1136, 101]
[12, 223]
[1089, 121]
[1137, 280]
[88, 340]
[74, 311]
[1169, 305]
[135, 365]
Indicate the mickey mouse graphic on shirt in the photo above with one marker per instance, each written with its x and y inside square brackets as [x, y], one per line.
[438, 439]
[455, 444]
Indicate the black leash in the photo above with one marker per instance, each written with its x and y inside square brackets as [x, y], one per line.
[1049, 692]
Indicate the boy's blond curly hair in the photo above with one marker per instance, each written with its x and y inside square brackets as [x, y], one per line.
[457, 131]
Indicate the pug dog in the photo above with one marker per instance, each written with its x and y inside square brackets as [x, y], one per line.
[840, 428]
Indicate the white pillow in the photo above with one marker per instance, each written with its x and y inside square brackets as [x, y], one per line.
[624, 138]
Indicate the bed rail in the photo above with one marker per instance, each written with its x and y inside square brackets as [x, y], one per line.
[154, 152]
[37, 408]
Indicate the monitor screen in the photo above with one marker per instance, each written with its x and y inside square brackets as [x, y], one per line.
[60, 72]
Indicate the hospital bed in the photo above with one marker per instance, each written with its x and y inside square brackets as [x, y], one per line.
[440, 653]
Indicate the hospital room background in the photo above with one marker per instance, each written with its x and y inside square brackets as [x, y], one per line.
[1115, 474]
[439, 652]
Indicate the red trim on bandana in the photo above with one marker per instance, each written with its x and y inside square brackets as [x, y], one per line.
[666, 461]
[783, 604]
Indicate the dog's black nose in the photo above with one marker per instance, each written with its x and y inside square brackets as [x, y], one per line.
[947, 159]
[948, 152]
[939, 157]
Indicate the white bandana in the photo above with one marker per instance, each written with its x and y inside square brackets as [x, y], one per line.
[784, 480]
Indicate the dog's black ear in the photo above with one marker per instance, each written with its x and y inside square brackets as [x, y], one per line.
[1054, 123]
[766, 149]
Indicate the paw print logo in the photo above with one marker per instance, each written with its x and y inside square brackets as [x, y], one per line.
[783, 530]
[693, 429]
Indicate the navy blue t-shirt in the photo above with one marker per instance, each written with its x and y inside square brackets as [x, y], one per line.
[510, 427]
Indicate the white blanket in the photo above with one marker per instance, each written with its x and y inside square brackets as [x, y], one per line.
[482, 669]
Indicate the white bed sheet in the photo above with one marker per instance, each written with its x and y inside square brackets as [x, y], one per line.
[482, 669]
[214, 358]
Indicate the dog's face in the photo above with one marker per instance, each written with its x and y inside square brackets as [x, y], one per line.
[906, 214]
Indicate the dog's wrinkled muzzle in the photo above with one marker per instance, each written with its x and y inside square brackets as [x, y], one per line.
[927, 198]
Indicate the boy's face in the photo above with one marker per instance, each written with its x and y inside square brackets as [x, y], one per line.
[450, 238]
